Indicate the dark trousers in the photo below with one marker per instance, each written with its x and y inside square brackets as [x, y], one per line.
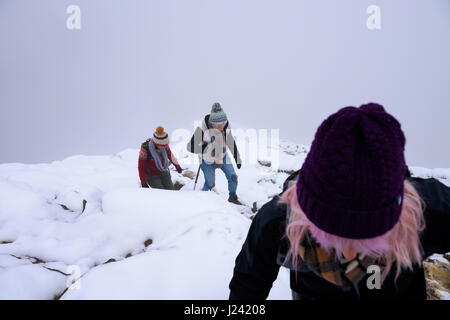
[161, 181]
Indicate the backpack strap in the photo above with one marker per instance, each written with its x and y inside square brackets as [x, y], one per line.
[145, 145]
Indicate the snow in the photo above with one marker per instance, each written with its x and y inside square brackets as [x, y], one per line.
[443, 175]
[86, 216]
[16, 283]
[438, 257]
[88, 213]
[444, 295]
[175, 266]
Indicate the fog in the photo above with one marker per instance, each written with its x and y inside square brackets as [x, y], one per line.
[284, 64]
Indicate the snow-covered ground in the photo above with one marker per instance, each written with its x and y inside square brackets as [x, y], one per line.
[88, 216]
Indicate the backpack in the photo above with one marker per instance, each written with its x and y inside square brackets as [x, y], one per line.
[146, 148]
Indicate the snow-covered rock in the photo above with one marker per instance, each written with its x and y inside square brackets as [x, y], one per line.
[437, 275]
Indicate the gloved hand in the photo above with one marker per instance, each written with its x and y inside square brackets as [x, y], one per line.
[179, 170]
[144, 186]
[239, 165]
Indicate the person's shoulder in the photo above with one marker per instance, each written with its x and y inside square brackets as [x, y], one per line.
[271, 214]
[145, 143]
[436, 197]
[205, 123]
[143, 151]
[275, 211]
[434, 193]
[292, 178]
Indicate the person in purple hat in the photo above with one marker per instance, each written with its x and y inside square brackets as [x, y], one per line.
[351, 223]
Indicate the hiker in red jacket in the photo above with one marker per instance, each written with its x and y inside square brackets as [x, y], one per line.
[154, 160]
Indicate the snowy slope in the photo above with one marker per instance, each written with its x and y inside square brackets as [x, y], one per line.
[126, 242]
[87, 214]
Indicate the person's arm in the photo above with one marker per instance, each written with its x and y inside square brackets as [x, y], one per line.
[196, 144]
[173, 159]
[256, 265]
[142, 167]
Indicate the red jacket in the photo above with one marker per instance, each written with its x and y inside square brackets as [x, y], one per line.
[148, 167]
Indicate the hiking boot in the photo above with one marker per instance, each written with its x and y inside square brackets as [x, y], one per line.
[234, 199]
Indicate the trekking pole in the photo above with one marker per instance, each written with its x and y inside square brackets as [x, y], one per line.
[198, 172]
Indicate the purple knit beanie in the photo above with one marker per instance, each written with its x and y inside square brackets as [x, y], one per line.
[351, 183]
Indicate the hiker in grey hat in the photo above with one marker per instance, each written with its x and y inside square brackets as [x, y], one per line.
[211, 141]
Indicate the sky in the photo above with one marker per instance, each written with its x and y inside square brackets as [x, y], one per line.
[278, 64]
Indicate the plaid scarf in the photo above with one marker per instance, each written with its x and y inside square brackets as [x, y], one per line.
[343, 273]
[340, 272]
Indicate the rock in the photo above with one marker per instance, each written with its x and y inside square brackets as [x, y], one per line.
[177, 185]
[289, 172]
[265, 163]
[189, 174]
[148, 242]
[110, 260]
[84, 205]
[65, 207]
[437, 276]
[35, 260]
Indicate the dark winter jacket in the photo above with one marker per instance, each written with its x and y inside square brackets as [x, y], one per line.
[202, 142]
[265, 249]
[147, 165]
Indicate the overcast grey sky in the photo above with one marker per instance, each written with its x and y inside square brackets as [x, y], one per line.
[283, 64]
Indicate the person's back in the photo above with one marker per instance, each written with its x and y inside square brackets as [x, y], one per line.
[349, 224]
